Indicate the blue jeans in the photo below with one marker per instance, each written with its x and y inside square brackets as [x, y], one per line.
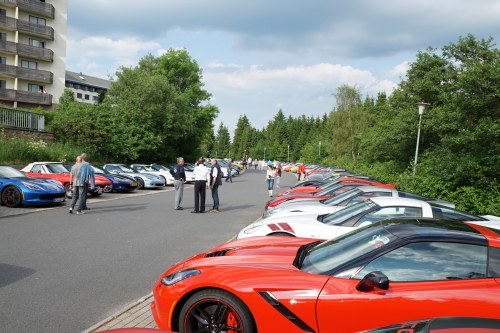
[229, 176]
[215, 197]
[270, 183]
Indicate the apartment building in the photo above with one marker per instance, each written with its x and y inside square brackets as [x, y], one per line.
[32, 52]
[87, 89]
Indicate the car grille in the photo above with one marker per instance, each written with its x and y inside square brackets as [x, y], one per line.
[52, 196]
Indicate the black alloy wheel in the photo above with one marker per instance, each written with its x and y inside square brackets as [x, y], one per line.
[215, 311]
[12, 196]
[140, 183]
[69, 190]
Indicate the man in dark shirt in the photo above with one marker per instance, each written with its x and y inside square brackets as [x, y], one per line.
[177, 171]
[215, 182]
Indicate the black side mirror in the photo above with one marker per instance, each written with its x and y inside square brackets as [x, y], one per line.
[372, 280]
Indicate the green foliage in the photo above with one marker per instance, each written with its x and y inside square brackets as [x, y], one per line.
[222, 144]
[18, 151]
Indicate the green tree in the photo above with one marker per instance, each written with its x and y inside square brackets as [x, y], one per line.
[222, 142]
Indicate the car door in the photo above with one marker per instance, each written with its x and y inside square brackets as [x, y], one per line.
[427, 279]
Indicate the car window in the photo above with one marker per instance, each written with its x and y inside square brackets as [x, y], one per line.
[430, 261]
[56, 168]
[332, 254]
[36, 168]
[453, 214]
[338, 199]
[343, 215]
[390, 212]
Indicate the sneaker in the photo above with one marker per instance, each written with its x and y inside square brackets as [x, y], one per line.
[79, 212]
[214, 210]
[86, 208]
[179, 208]
[71, 210]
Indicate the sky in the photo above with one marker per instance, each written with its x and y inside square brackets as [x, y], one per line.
[260, 56]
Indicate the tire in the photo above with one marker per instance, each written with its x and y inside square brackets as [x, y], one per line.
[12, 197]
[281, 234]
[95, 194]
[214, 310]
[140, 183]
[69, 190]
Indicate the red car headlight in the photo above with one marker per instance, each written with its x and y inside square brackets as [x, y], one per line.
[179, 276]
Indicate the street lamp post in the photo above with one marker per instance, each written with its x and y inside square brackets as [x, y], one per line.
[319, 148]
[421, 107]
[288, 156]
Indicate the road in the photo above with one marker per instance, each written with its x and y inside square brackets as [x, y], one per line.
[64, 273]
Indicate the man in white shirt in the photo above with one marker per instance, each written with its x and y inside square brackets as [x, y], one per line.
[201, 177]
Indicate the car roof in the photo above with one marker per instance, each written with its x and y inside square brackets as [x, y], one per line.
[397, 201]
[426, 228]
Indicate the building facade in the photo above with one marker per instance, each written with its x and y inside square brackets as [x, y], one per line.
[32, 52]
[86, 88]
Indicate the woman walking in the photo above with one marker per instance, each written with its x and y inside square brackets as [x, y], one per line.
[270, 174]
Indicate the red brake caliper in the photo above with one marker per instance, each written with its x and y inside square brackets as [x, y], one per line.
[231, 322]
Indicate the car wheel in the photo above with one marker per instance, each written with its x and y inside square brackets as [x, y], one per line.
[69, 190]
[215, 311]
[96, 193]
[12, 197]
[140, 183]
[281, 234]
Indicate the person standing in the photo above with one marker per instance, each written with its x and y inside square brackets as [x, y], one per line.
[278, 175]
[301, 169]
[215, 182]
[179, 178]
[229, 177]
[270, 174]
[201, 177]
[86, 175]
[74, 184]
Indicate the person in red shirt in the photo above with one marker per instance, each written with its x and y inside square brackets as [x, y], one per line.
[301, 170]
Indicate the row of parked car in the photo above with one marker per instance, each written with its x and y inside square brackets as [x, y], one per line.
[342, 253]
[49, 182]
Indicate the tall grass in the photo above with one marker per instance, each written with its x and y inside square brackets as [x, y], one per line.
[21, 151]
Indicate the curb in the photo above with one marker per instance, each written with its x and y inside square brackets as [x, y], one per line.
[117, 314]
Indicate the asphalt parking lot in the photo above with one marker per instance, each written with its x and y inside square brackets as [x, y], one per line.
[67, 273]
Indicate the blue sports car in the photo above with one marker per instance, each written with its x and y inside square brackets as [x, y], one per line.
[16, 189]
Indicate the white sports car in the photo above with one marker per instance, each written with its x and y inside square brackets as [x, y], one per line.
[342, 200]
[144, 168]
[327, 226]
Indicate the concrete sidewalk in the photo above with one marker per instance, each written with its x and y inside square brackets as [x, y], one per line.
[136, 314]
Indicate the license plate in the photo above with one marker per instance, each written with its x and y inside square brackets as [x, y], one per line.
[134, 184]
[58, 199]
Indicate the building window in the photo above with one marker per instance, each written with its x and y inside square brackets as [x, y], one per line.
[3, 12]
[79, 95]
[87, 97]
[3, 36]
[29, 64]
[3, 84]
[38, 20]
[3, 60]
[37, 43]
[94, 98]
[35, 88]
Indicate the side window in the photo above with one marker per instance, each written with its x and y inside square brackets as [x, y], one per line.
[494, 264]
[390, 212]
[430, 261]
[36, 169]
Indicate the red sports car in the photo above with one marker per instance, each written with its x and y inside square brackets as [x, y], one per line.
[344, 180]
[387, 272]
[56, 170]
[325, 194]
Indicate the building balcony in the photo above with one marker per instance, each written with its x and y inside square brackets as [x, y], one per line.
[33, 52]
[36, 30]
[31, 6]
[28, 74]
[25, 97]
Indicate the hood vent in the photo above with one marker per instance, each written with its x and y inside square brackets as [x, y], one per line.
[220, 253]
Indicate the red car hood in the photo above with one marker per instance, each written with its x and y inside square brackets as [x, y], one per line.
[255, 251]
